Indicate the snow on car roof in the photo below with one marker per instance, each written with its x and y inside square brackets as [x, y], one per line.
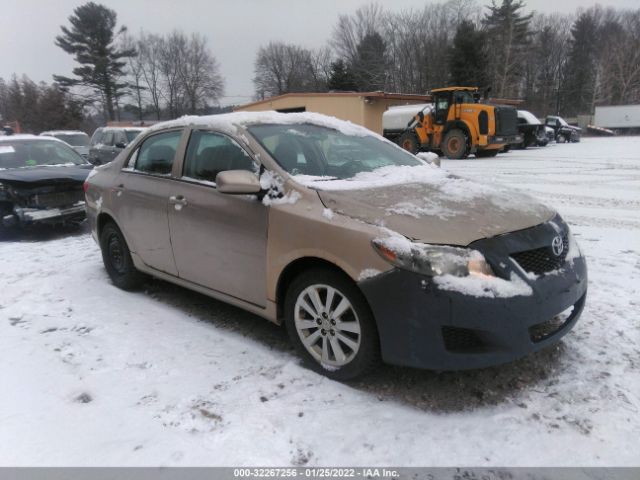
[529, 117]
[62, 132]
[28, 136]
[228, 122]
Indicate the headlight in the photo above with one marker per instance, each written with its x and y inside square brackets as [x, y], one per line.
[432, 260]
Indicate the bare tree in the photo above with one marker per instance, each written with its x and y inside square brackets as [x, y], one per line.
[149, 48]
[283, 68]
[200, 74]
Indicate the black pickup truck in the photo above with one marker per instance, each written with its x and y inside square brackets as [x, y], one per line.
[563, 131]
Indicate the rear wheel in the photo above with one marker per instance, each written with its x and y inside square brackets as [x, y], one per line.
[409, 141]
[331, 325]
[486, 153]
[454, 144]
[117, 258]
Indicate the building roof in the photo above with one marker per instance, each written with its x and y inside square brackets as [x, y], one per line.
[371, 95]
[454, 89]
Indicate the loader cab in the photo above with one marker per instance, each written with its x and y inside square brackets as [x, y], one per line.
[442, 101]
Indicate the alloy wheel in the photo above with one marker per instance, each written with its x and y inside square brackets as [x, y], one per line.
[327, 325]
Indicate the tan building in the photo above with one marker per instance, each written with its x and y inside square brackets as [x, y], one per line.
[362, 108]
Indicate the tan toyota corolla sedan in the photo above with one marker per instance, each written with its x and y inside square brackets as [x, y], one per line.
[362, 250]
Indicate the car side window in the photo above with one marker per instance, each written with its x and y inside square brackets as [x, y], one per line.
[119, 138]
[107, 138]
[210, 153]
[156, 154]
[97, 137]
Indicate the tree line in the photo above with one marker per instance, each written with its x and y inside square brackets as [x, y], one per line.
[117, 75]
[556, 63]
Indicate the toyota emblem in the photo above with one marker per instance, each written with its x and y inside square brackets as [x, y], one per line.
[557, 246]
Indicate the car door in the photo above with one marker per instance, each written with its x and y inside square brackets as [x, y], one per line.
[219, 240]
[142, 197]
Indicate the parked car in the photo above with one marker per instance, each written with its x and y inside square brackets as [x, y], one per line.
[361, 249]
[41, 181]
[531, 129]
[563, 131]
[108, 142]
[79, 141]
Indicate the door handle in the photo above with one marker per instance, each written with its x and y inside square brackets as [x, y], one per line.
[178, 200]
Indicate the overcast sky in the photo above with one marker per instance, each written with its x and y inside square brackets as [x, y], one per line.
[235, 29]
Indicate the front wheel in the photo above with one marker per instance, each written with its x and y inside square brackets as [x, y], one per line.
[117, 258]
[409, 141]
[454, 145]
[331, 325]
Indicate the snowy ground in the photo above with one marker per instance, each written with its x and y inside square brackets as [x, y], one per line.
[91, 375]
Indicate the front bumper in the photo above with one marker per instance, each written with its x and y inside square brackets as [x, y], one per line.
[506, 139]
[30, 216]
[423, 326]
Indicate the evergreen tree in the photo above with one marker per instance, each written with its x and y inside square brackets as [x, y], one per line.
[581, 64]
[468, 59]
[342, 78]
[508, 35]
[91, 40]
[370, 65]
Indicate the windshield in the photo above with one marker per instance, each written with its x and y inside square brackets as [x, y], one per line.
[131, 134]
[74, 139]
[34, 153]
[306, 149]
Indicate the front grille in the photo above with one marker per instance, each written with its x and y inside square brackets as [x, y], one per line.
[542, 260]
[461, 339]
[506, 121]
[57, 199]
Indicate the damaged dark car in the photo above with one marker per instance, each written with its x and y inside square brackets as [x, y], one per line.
[41, 182]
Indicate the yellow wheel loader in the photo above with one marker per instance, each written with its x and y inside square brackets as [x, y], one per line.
[455, 124]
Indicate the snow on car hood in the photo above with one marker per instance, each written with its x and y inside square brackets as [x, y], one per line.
[428, 205]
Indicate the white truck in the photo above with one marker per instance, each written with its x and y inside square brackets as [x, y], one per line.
[618, 117]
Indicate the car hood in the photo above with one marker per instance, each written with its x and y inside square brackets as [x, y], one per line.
[451, 210]
[42, 175]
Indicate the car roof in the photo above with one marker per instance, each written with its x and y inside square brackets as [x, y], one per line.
[28, 136]
[232, 123]
[63, 132]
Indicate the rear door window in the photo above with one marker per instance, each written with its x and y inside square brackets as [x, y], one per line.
[107, 138]
[157, 153]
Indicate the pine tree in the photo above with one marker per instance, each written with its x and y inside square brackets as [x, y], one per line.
[370, 65]
[342, 78]
[508, 34]
[468, 59]
[91, 40]
[581, 64]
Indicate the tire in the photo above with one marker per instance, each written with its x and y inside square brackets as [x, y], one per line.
[117, 258]
[561, 139]
[409, 141]
[454, 144]
[361, 349]
[486, 153]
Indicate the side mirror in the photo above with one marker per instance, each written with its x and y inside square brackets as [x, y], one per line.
[237, 182]
[120, 145]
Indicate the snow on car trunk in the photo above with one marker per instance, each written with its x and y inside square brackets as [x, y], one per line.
[92, 375]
